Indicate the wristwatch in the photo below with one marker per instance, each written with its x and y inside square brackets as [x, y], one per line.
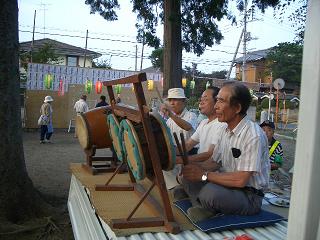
[204, 177]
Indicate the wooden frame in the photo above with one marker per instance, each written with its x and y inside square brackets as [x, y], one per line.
[98, 168]
[165, 215]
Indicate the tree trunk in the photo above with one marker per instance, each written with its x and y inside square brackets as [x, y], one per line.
[18, 199]
[172, 58]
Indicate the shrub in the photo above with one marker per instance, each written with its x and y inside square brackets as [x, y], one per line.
[290, 105]
[193, 102]
[265, 103]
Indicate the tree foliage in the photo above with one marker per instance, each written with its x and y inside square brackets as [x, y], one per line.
[188, 24]
[285, 61]
[45, 54]
[101, 64]
[297, 17]
[156, 58]
[198, 19]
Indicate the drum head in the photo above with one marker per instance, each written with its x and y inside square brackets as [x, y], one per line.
[133, 150]
[82, 132]
[169, 148]
[114, 129]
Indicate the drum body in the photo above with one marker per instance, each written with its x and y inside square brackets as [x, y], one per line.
[92, 129]
[136, 148]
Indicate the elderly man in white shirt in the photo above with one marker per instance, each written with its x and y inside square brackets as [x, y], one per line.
[209, 131]
[81, 105]
[207, 135]
[180, 120]
[242, 153]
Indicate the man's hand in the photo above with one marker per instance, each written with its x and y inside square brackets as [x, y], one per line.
[166, 110]
[192, 172]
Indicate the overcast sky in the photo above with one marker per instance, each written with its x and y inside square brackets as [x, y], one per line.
[68, 20]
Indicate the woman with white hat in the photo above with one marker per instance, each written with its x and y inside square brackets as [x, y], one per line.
[46, 128]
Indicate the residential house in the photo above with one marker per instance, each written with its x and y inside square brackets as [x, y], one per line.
[255, 71]
[69, 55]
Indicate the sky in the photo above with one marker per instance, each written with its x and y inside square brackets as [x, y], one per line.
[67, 21]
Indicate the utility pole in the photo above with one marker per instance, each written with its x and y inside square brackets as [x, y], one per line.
[244, 42]
[85, 50]
[32, 42]
[235, 55]
[136, 59]
[142, 51]
[43, 8]
[270, 94]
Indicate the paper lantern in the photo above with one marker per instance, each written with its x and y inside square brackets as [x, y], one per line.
[132, 87]
[118, 88]
[88, 86]
[48, 81]
[98, 87]
[61, 88]
[150, 85]
[184, 82]
[192, 84]
[207, 84]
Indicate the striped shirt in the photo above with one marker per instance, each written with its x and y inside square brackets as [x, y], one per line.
[277, 151]
[245, 148]
[81, 106]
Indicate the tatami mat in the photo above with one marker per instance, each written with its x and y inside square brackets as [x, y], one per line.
[119, 204]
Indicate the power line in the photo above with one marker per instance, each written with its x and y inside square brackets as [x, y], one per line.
[78, 36]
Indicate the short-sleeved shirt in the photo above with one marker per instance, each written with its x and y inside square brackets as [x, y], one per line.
[208, 133]
[245, 148]
[188, 116]
[81, 106]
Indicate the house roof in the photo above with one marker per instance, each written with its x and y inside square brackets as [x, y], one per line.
[220, 82]
[254, 56]
[59, 47]
[151, 70]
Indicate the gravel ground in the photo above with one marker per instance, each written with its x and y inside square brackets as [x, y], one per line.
[48, 164]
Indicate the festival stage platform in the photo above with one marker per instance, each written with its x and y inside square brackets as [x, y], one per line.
[91, 213]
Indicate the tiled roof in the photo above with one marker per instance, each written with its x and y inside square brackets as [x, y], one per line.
[59, 47]
[220, 82]
[254, 56]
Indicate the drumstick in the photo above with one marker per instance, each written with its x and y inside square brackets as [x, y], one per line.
[179, 146]
[185, 153]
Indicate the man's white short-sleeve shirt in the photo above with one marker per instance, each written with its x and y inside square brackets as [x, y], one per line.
[208, 133]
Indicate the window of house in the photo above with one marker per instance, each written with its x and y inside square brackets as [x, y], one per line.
[72, 61]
